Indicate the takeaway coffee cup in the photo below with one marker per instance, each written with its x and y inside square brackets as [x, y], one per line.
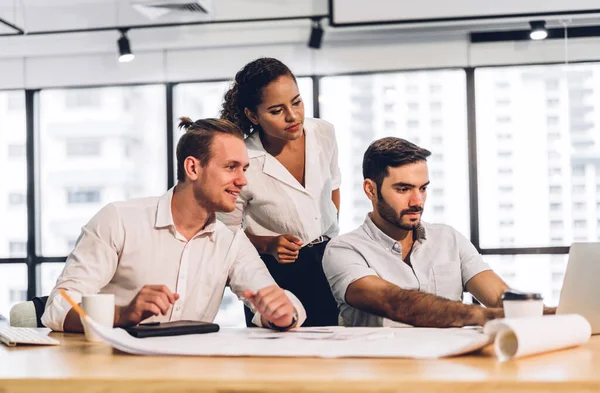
[521, 304]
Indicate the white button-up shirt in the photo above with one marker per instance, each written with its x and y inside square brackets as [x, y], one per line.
[131, 244]
[442, 262]
[275, 203]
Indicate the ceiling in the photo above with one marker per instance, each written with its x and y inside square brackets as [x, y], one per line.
[35, 16]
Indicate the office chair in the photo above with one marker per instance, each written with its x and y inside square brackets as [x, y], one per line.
[28, 314]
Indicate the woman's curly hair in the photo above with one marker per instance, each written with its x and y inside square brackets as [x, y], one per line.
[246, 90]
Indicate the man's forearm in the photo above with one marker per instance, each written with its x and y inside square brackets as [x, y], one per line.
[427, 310]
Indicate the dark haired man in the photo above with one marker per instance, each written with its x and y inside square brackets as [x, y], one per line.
[167, 258]
[397, 269]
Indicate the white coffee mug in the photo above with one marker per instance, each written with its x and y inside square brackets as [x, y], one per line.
[520, 304]
[101, 308]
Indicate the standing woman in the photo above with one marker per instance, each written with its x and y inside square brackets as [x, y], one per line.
[290, 206]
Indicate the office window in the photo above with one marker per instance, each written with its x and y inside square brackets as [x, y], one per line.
[449, 202]
[83, 147]
[13, 285]
[17, 198]
[412, 124]
[83, 196]
[434, 89]
[435, 106]
[412, 106]
[124, 150]
[532, 273]
[13, 171]
[541, 157]
[16, 150]
[17, 249]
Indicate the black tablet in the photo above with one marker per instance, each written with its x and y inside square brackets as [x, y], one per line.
[175, 328]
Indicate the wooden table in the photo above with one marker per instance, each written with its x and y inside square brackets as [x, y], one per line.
[79, 366]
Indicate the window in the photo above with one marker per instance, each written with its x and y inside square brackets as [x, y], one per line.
[555, 207]
[16, 150]
[503, 101]
[504, 136]
[81, 122]
[506, 206]
[555, 224]
[412, 124]
[13, 175]
[17, 198]
[549, 176]
[17, 249]
[437, 140]
[389, 125]
[544, 280]
[433, 89]
[448, 151]
[579, 224]
[13, 285]
[84, 196]
[505, 171]
[578, 170]
[82, 98]
[412, 106]
[84, 147]
[435, 106]
[551, 85]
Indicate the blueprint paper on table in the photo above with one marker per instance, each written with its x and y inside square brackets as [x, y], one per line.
[513, 338]
[420, 343]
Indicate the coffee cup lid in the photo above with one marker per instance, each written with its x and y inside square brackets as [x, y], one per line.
[512, 294]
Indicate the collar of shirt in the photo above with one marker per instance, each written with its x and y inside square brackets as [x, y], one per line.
[387, 242]
[275, 169]
[164, 218]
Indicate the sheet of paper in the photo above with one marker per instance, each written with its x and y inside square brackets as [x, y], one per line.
[517, 337]
[401, 343]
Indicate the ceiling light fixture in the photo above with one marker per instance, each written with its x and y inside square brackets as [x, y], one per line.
[316, 35]
[538, 30]
[125, 54]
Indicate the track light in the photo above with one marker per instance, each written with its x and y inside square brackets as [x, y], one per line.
[538, 30]
[316, 35]
[125, 54]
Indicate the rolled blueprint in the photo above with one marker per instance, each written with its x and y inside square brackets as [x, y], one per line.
[517, 337]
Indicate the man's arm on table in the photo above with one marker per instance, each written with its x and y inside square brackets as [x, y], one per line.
[377, 296]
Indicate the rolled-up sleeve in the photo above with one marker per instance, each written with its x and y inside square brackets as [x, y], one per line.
[343, 265]
[248, 271]
[471, 262]
[90, 266]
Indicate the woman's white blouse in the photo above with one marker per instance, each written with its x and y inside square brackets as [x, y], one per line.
[275, 203]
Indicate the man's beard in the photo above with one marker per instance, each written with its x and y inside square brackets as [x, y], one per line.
[388, 213]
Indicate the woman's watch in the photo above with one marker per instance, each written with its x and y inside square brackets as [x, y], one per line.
[284, 328]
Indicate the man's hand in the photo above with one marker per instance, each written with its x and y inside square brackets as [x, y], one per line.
[273, 304]
[285, 248]
[549, 310]
[150, 300]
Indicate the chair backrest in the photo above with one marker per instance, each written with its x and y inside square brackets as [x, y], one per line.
[28, 314]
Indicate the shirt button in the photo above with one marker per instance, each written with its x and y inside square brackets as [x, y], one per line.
[396, 246]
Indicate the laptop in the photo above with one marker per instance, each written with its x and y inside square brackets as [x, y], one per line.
[580, 292]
